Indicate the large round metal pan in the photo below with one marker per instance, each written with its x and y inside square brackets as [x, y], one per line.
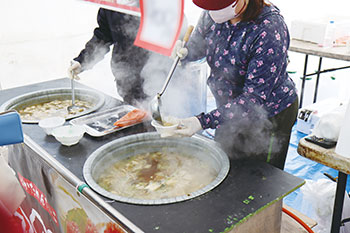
[121, 148]
[32, 98]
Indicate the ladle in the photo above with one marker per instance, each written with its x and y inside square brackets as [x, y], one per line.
[156, 101]
[73, 108]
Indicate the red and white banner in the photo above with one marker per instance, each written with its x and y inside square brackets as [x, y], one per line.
[126, 6]
[161, 23]
[35, 192]
[52, 204]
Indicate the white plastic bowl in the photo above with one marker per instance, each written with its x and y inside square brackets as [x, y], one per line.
[48, 124]
[166, 130]
[69, 135]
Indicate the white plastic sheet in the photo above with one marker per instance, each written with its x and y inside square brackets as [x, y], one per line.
[318, 199]
[125, 6]
[346, 214]
[343, 145]
[318, 195]
[11, 192]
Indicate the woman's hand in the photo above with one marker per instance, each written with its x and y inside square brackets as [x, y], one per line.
[74, 69]
[188, 126]
[179, 50]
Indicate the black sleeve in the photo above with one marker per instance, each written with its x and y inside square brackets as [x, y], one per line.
[97, 47]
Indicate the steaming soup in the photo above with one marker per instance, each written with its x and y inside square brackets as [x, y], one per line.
[156, 175]
[52, 108]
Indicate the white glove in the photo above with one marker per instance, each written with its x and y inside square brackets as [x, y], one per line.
[188, 127]
[74, 69]
[179, 50]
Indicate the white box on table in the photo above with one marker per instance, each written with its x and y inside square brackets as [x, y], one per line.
[308, 30]
[309, 116]
[314, 30]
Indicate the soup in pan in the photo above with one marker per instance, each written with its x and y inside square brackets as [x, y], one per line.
[156, 175]
[52, 108]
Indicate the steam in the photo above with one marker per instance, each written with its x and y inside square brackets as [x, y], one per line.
[248, 137]
[186, 93]
[242, 137]
[185, 96]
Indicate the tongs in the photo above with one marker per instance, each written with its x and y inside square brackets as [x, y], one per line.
[156, 101]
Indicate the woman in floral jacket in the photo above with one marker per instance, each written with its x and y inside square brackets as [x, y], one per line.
[245, 43]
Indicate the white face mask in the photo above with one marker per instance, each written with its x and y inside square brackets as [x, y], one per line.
[225, 14]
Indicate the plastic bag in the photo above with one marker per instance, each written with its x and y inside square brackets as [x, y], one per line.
[318, 204]
[319, 196]
[11, 192]
[329, 126]
[330, 123]
[346, 215]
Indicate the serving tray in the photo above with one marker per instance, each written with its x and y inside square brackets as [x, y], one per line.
[101, 123]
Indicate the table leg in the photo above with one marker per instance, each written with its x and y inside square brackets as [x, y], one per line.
[303, 82]
[317, 78]
[338, 202]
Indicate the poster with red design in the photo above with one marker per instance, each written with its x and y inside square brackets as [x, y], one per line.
[35, 192]
[160, 26]
[125, 6]
[52, 204]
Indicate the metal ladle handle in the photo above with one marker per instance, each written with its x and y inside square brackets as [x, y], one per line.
[72, 86]
[177, 59]
[73, 91]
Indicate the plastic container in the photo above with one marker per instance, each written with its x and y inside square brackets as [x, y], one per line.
[186, 94]
[199, 76]
[101, 123]
[48, 124]
[329, 36]
[69, 135]
[343, 146]
[166, 130]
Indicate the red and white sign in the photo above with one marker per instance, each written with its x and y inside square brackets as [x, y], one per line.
[161, 21]
[34, 191]
[160, 26]
[125, 6]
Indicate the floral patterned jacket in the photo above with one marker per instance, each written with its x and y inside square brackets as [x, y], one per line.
[248, 62]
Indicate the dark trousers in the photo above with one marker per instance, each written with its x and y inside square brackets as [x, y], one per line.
[265, 139]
